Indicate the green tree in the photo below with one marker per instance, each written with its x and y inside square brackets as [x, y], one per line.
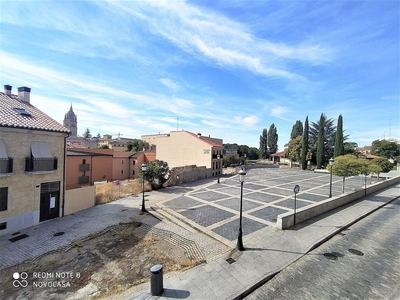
[350, 148]
[320, 142]
[253, 153]
[373, 168]
[231, 160]
[272, 139]
[383, 163]
[297, 130]
[294, 148]
[87, 134]
[104, 147]
[98, 136]
[137, 145]
[345, 166]
[305, 146]
[157, 173]
[329, 137]
[264, 144]
[385, 148]
[339, 148]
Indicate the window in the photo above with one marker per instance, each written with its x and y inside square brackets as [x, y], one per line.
[134, 162]
[41, 158]
[133, 172]
[22, 112]
[122, 171]
[6, 163]
[83, 161]
[122, 161]
[3, 198]
[3, 226]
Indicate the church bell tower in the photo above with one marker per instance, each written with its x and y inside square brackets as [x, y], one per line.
[71, 122]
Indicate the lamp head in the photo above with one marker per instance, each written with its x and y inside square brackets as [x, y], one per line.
[242, 174]
[144, 167]
[331, 161]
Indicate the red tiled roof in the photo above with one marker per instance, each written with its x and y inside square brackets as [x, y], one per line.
[206, 140]
[279, 154]
[123, 154]
[37, 119]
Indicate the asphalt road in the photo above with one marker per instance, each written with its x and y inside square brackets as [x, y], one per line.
[370, 271]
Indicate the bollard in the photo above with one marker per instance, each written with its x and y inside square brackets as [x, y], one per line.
[156, 280]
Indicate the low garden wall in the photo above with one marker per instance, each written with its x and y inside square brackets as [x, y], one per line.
[79, 199]
[286, 220]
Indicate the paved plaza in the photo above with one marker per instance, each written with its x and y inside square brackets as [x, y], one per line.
[208, 207]
[267, 193]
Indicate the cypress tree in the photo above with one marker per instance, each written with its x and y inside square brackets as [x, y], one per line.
[264, 144]
[320, 142]
[304, 148]
[272, 139]
[339, 148]
[297, 130]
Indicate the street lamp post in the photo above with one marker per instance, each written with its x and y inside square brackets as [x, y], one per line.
[218, 157]
[239, 245]
[296, 189]
[331, 161]
[144, 167]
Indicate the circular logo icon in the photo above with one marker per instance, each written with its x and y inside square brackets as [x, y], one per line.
[20, 279]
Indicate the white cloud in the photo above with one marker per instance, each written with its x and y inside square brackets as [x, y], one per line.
[249, 121]
[213, 36]
[170, 84]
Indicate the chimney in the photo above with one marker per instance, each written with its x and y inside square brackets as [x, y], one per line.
[24, 94]
[7, 89]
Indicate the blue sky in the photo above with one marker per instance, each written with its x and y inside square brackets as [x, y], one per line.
[222, 68]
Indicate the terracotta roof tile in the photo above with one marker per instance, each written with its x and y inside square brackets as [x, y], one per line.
[37, 119]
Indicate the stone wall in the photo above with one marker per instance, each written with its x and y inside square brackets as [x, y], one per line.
[187, 174]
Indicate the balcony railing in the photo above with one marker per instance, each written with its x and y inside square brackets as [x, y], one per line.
[41, 164]
[83, 179]
[6, 165]
[84, 167]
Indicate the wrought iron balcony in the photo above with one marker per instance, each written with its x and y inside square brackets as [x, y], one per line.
[6, 165]
[84, 167]
[40, 164]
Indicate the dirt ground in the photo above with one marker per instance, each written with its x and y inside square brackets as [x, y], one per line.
[94, 267]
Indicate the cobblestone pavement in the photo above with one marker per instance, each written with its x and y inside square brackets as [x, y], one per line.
[369, 271]
[267, 192]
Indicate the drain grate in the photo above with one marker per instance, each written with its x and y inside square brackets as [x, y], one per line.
[230, 260]
[18, 237]
[331, 256]
[59, 233]
[356, 252]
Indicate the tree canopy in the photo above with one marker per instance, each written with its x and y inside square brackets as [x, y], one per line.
[87, 134]
[385, 148]
[137, 145]
[339, 148]
[297, 130]
[264, 144]
[294, 148]
[272, 139]
[157, 173]
[305, 145]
